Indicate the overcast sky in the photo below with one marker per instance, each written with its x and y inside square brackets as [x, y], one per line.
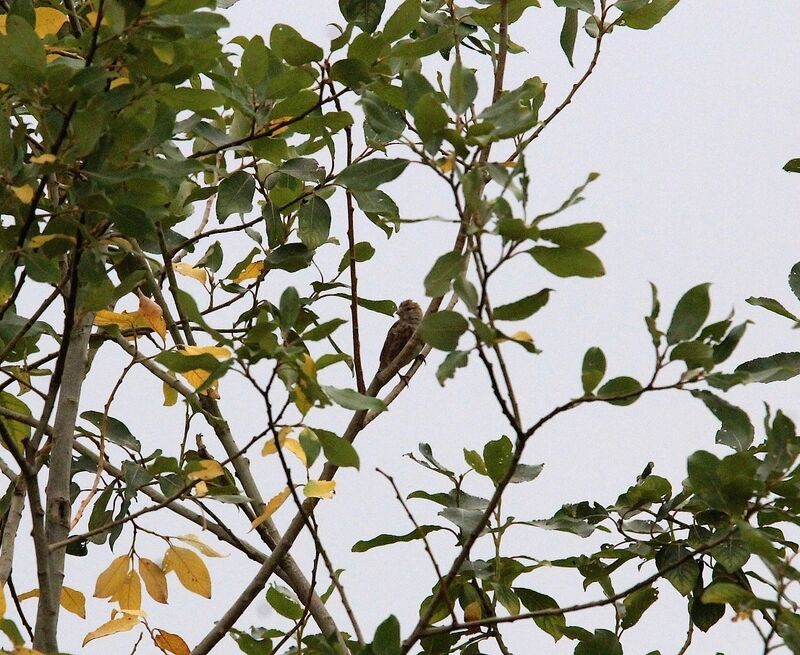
[689, 125]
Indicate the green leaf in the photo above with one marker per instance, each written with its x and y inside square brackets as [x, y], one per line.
[689, 315]
[363, 251]
[737, 431]
[498, 455]
[365, 14]
[568, 33]
[314, 222]
[682, 576]
[10, 630]
[463, 87]
[724, 349]
[453, 360]
[533, 601]
[444, 271]
[235, 195]
[310, 443]
[443, 329]
[386, 539]
[22, 55]
[323, 330]
[416, 48]
[430, 119]
[727, 592]
[368, 175]
[289, 45]
[775, 368]
[624, 386]
[732, 553]
[475, 461]
[465, 519]
[636, 604]
[593, 369]
[794, 280]
[602, 642]
[705, 616]
[283, 602]
[115, 430]
[792, 166]
[650, 14]
[289, 308]
[338, 451]
[580, 235]
[568, 262]
[523, 308]
[351, 399]
[386, 122]
[402, 21]
[772, 305]
[387, 637]
[16, 430]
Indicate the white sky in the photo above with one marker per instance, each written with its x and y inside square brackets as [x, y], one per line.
[689, 125]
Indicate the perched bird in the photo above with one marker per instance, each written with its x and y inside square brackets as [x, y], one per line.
[409, 315]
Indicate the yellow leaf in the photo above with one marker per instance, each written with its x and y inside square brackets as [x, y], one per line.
[170, 395]
[522, 336]
[190, 569]
[120, 81]
[171, 642]
[251, 272]
[294, 447]
[278, 125]
[2, 602]
[73, 601]
[47, 158]
[110, 580]
[308, 366]
[24, 193]
[125, 320]
[152, 314]
[270, 447]
[33, 593]
[165, 53]
[111, 627]
[201, 489]
[194, 540]
[48, 21]
[3, 25]
[188, 270]
[129, 594]
[271, 507]
[209, 469]
[473, 611]
[41, 239]
[301, 401]
[320, 489]
[220, 352]
[154, 580]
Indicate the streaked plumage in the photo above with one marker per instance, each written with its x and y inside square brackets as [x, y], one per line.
[409, 316]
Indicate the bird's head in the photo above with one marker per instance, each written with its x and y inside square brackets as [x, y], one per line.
[409, 312]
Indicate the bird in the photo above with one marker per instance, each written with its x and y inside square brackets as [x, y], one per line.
[409, 316]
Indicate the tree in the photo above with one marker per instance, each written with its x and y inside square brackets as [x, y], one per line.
[133, 143]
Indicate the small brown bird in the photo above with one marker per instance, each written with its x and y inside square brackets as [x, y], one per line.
[409, 316]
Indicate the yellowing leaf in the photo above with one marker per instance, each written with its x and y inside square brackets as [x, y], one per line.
[220, 352]
[111, 627]
[165, 53]
[152, 314]
[48, 21]
[170, 395]
[198, 376]
[110, 580]
[522, 336]
[251, 272]
[125, 320]
[2, 602]
[120, 81]
[73, 601]
[301, 401]
[194, 540]
[188, 270]
[201, 489]
[129, 594]
[24, 193]
[473, 611]
[309, 367]
[294, 447]
[47, 158]
[155, 582]
[270, 447]
[271, 507]
[209, 469]
[41, 239]
[171, 643]
[190, 569]
[278, 125]
[320, 489]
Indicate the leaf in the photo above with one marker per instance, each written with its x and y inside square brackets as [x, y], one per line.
[188, 270]
[284, 603]
[522, 308]
[289, 44]
[636, 604]
[338, 451]
[453, 360]
[48, 21]
[444, 271]
[208, 470]
[365, 14]
[775, 368]
[792, 166]
[533, 601]
[387, 637]
[351, 399]
[129, 594]
[71, 600]
[252, 271]
[568, 33]
[24, 193]
[386, 539]
[235, 195]
[602, 642]
[314, 222]
[682, 576]
[190, 569]
[727, 592]
[463, 87]
[568, 262]
[580, 235]
[689, 315]
[772, 305]
[112, 578]
[363, 251]
[155, 582]
[648, 15]
[272, 506]
[498, 456]
[623, 390]
[171, 642]
[18, 432]
[194, 541]
[737, 431]
[112, 627]
[443, 329]
[320, 489]
[368, 175]
[593, 369]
